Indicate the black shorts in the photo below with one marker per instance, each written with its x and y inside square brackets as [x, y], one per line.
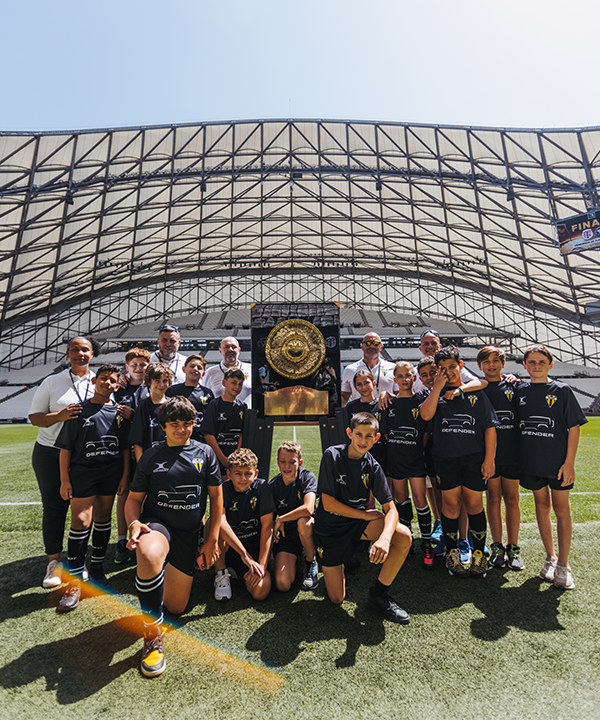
[536, 482]
[462, 471]
[234, 560]
[291, 543]
[510, 472]
[183, 545]
[334, 550]
[97, 480]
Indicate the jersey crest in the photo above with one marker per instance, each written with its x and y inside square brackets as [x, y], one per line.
[204, 399]
[551, 399]
[365, 478]
[415, 413]
[472, 399]
[510, 393]
[253, 502]
[241, 414]
[198, 462]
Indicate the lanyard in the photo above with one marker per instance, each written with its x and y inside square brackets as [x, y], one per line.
[87, 387]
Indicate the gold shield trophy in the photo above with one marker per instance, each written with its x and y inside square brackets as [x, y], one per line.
[296, 349]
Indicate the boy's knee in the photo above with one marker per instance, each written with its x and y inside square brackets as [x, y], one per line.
[402, 536]
[282, 584]
[174, 607]
[305, 526]
[336, 598]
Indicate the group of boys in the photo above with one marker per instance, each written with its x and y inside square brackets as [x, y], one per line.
[187, 448]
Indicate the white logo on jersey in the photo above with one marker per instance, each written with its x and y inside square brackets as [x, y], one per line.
[153, 422]
[282, 503]
[88, 422]
[221, 416]
[160, 467]
[522, 401]
[391, 413]
[234, 507]
[341, 480]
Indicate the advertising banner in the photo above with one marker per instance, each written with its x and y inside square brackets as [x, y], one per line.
[580, 232]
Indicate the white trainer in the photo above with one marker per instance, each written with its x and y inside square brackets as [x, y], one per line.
[223, 585]
[563, 577]
[53, 576]
[548, 569]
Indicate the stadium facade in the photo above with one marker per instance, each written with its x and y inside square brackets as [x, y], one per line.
[104, 229]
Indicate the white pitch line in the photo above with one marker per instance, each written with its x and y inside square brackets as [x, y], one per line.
[21, 503]
[295, 434]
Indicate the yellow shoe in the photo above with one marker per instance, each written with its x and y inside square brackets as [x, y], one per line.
[153, 657]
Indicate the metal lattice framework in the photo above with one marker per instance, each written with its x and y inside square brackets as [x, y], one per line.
[104, 228]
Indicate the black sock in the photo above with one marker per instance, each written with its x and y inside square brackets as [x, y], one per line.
[76, 550]
[405, 512]
[100, 538]
[424, 518]
[478, 526]
[150, 594]
[450, 528]
[379, 589]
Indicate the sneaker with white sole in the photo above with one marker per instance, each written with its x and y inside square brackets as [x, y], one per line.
[53, 576]
[311, 572]
[465, 552]
[548, 569]
[563, 577]
[513, 554]
[223, 585]
[497, 555]
[153, 654]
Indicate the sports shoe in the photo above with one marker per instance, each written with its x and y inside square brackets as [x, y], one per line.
[479, 565]
[53, 577]
[497, 555]
[427, 553]
[453, 564]
[122, 555]
[513, 553]
[153, 655]
[465, 552]
[548, 569]
[440, 549]
[563, 577]
[96, 574]
[70, 599]
[311, 572]
[223, 585]
[437, 534]
[390, 609]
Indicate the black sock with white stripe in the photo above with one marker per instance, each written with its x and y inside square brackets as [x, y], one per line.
[424, 518]
[150, 594]
[100, 538]
[76, 550]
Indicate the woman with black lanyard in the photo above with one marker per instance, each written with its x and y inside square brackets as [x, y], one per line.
[57, 399]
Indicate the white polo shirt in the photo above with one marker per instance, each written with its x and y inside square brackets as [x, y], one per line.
[213, 380]
[175, 365]
[383, 374]
[54, 394]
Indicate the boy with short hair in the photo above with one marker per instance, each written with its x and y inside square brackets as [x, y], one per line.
[550, 420]
[246, 533]
[347, 476]
[505, 483]
[364, 383]
[406, 435]
[165, 512]
[197, 394]
[294, 492]
[146, 431]
[224, 418]
[94, 465]
[464, 448]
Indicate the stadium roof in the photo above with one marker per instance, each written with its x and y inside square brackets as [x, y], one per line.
[91, 214]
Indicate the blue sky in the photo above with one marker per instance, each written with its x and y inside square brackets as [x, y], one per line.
[70, 65]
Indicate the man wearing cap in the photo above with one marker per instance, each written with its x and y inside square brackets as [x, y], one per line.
[382, 370]
[168, 342]
[213, 379]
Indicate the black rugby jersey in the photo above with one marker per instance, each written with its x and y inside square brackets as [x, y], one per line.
[290, 497]
[199, 396]
[244, 510]
[351, 483]
[176, 481]
[405, 428]
[378, 451]
[503, 397]
[145, 429]
[132, 395]
[225, 421]
[546, 412]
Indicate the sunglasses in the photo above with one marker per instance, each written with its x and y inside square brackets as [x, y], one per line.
[168, 328]
[373, 343]
[429, 332]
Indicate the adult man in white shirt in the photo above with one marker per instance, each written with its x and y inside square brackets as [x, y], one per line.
[382, 370]
[168, 342]
[430, 344]
[213, 378]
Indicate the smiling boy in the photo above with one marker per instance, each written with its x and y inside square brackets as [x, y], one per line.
[347, 476]
[197, 394]
[146, 431]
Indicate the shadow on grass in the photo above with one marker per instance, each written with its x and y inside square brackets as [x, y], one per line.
[77, 667]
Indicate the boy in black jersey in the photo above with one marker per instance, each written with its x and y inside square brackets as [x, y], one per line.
[246, 528]
[347, 476]
[146, 431]
[224, 419]
[191, 389]
[549, 420]
[406, 435]
[165, 512]
[464, 448]
[364, 382]
[94, 465]
[505, 483]
[294, 492]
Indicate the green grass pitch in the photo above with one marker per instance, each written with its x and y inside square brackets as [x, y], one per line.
[509, 646]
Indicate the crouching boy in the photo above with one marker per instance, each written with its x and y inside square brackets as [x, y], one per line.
[246, 528]
[165, 511]
[294, 492]
[347, 476]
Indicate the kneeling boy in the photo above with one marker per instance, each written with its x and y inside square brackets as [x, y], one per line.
[347, 476]
[165, 511]
[246, 528]
[294, 491]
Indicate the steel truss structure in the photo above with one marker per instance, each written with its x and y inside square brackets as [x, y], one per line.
[104, 228]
